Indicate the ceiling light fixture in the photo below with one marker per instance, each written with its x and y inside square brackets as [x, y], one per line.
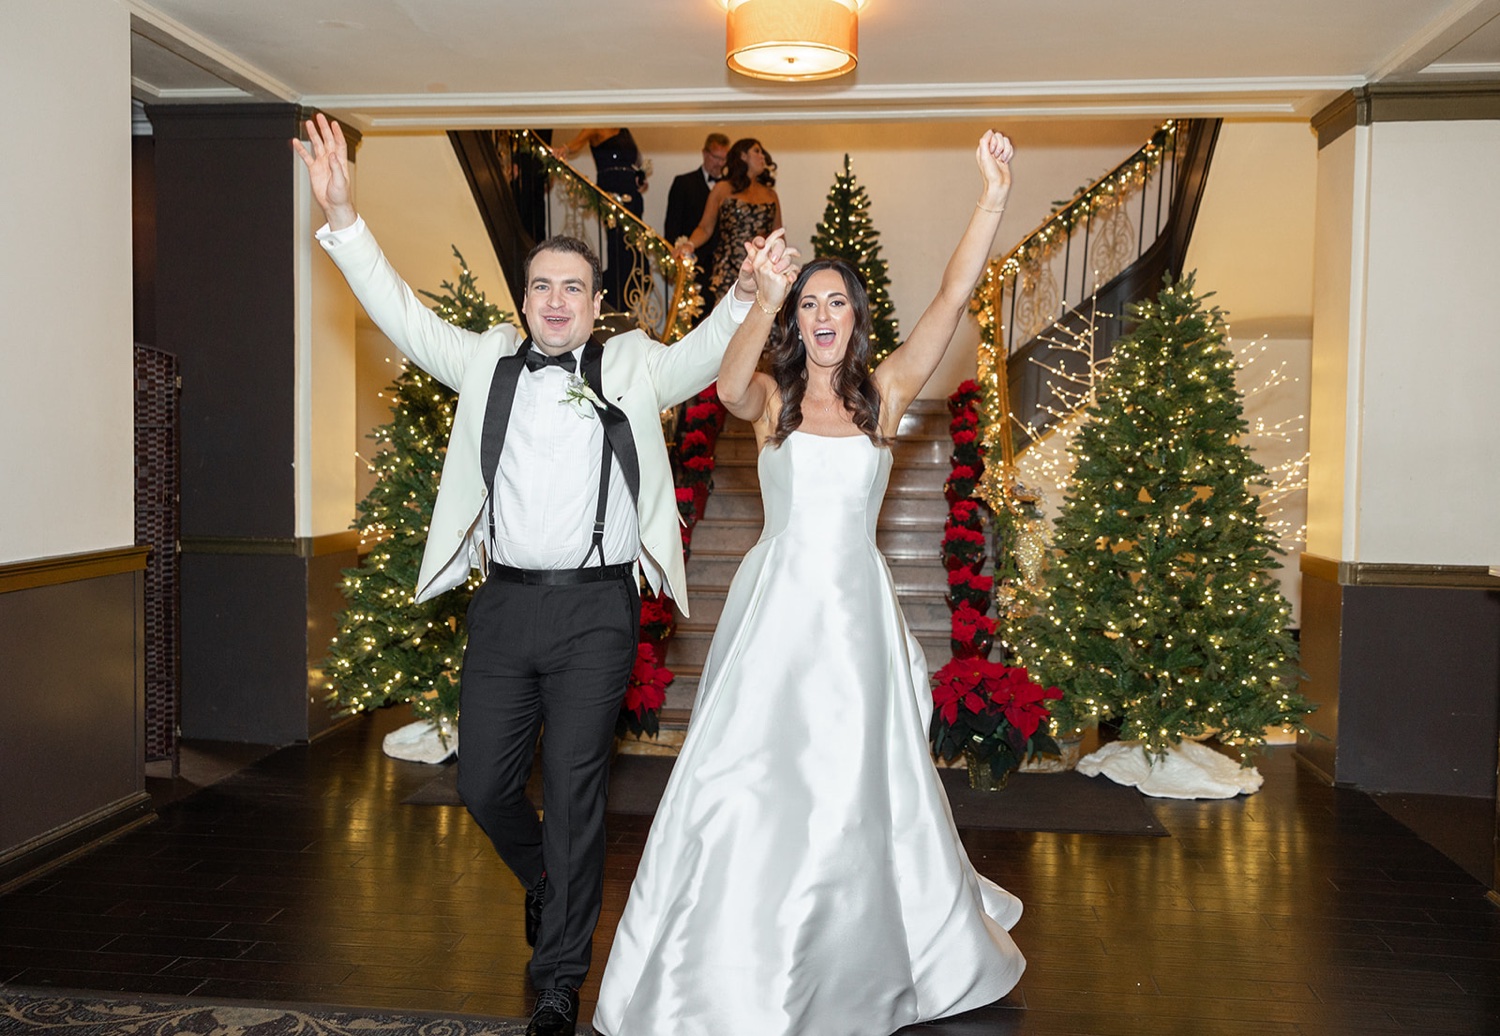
[792, 40]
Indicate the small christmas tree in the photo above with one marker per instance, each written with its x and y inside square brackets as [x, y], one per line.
[389, 649]
[1161, 610]
[846, 233]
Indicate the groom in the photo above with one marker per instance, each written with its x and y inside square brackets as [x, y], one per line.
[557, 485]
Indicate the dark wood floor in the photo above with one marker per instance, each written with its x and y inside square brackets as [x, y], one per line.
[1302, 909]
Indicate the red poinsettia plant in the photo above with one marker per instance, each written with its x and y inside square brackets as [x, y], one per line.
[965, 397]
[990, 712]
[657, 618]
[973, 632]
[644, 695]
[966, 587]
[963, 548]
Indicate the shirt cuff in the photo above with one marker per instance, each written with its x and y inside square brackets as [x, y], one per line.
[737, 309]
[333, 238]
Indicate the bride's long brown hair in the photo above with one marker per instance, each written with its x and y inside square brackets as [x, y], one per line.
[852, 382]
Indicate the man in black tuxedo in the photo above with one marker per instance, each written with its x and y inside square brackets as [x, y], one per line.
[685, 202]
[558, 487]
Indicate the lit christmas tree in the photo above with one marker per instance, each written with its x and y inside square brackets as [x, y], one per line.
[846, 233]
[1161, 610]
[389, 649]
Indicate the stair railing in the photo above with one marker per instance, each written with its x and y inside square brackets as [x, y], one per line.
[660, 295]
[1075, 273]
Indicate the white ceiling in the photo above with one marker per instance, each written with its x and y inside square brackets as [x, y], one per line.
[403, 64]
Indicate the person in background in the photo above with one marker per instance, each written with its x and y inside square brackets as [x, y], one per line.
[687, 199]
[617, 171]
[741, 207]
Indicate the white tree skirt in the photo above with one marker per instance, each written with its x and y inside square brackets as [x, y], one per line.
[1188, 771]
[425, 741]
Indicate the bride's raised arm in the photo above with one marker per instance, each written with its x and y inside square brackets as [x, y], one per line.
[744, 391]
[903, 373]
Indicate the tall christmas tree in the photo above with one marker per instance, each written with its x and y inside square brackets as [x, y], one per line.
[1161, 610]
[846, 233]
[389, 649]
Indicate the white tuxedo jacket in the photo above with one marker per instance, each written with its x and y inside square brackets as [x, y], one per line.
[639, 375]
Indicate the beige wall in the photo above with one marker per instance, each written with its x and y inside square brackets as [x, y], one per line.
[65, 283]
[1338, 292]
[1253, 242]
[327, 419]
[1406, 358]
[1429, 485]
[922, 183]
[412, 192]
[1252, 247]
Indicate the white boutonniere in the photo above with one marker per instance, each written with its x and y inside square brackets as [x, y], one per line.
[580, 397]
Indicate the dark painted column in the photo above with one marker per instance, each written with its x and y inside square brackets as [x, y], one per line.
[1404, 664]
[226, 233]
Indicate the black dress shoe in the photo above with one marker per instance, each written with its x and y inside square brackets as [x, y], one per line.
[556, 1012]
[536, 898]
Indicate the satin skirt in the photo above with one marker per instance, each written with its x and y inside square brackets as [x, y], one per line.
[803, 875]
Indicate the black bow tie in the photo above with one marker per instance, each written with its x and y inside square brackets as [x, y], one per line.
[535, 361]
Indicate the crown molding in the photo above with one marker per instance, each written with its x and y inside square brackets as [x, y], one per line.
[1263, 97]
[172, 35]
[139, 88]
[1439, 100]
[1474, 69]
[1438, 37]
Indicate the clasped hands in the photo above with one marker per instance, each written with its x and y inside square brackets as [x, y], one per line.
[769, 270]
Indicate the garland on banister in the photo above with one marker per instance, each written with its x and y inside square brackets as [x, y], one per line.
[1120, 182]
[588, 196]
[969, 591]
[1127, 177]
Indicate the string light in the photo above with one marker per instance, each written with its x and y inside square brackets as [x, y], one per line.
[388, 648]
[1178, 631]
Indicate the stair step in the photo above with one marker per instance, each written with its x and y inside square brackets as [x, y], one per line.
[740, 503]
[920, 478]
[904, 538]
[909, 533]
[924, 609]
[689, 648]
[712, 570]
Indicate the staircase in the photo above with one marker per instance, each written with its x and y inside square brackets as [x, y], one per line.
[909, 534]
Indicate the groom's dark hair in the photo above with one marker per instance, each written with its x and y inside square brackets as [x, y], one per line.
[573, 246]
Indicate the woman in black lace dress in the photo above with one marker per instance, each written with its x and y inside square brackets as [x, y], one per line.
[741, 207]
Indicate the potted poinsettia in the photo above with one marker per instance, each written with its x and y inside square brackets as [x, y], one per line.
[992, 714]
[657, 623]
[644, 695]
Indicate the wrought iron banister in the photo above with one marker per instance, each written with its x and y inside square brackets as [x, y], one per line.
[1092, 249]
[660, 293]
[501, 165]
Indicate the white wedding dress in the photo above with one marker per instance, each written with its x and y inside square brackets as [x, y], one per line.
[803, 875]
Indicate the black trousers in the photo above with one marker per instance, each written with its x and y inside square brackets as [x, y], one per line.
[553, 659]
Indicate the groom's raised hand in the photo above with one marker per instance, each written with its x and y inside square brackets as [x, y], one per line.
[328, 170]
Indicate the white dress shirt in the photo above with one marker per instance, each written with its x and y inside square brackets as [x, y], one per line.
[547, 485]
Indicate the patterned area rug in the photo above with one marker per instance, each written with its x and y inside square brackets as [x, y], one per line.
[93, 1014]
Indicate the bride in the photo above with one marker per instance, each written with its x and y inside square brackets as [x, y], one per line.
[803, 876]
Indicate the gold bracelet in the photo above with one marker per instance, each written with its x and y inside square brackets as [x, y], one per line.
[760, 303]
[983, 208]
